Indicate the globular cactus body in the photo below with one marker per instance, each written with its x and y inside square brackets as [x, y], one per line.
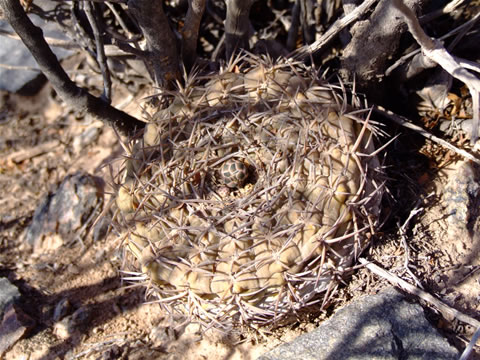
[250, 194]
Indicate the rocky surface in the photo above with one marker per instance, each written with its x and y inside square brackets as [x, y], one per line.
[8, 295]
[67, 213]
[13, 53]
[382, 326]
[14, 322]
[462, 198]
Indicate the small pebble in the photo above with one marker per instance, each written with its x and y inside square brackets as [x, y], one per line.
[64, 329]
[86, 138]
[116, 309]
[61, 310]
[73, 269]
[160, 336]
[80, 316]
[101, 229]
[71, 325]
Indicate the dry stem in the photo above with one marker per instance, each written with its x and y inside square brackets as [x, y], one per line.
[334, 30]
[400, 120]
[237, 25]
[190, 31]
[91, 13]
[435, 51]
[74, 96]
[441, 306]
[161, 53]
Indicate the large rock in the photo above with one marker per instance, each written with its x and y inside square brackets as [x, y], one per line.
[67, 213]
[14, 53]
[382, 326]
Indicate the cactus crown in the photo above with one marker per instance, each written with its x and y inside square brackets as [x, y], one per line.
[250, 194]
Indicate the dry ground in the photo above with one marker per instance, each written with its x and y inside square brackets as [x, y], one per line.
[119, 324]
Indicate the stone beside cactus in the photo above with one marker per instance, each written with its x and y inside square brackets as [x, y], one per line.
[249, 196]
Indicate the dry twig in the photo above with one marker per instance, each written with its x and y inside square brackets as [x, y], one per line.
[451, 6]
[50, 41]
[457, 30]
[471, 344]
[74, 96]
[402, 284]
[19, 68]
[402, 121]
[100, 51]
[403, 237]
[195, 12]
[434, 50]
[334, 30]
[29, 153]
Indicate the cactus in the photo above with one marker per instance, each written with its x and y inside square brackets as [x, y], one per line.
[249, 196]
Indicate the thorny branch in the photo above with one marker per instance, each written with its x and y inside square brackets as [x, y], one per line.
[74, 96]
[435, 51]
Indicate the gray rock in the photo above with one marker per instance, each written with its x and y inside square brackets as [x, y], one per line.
[73, 325]
[462, 196]
[383, 326]
[14, 323]
[100, 230]
[112, 353]
[67, 213]
[162, 336]
[14, 326]
[14, 53]
[8, 295]
[61, 310]
[86, 138]
[81, 316]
